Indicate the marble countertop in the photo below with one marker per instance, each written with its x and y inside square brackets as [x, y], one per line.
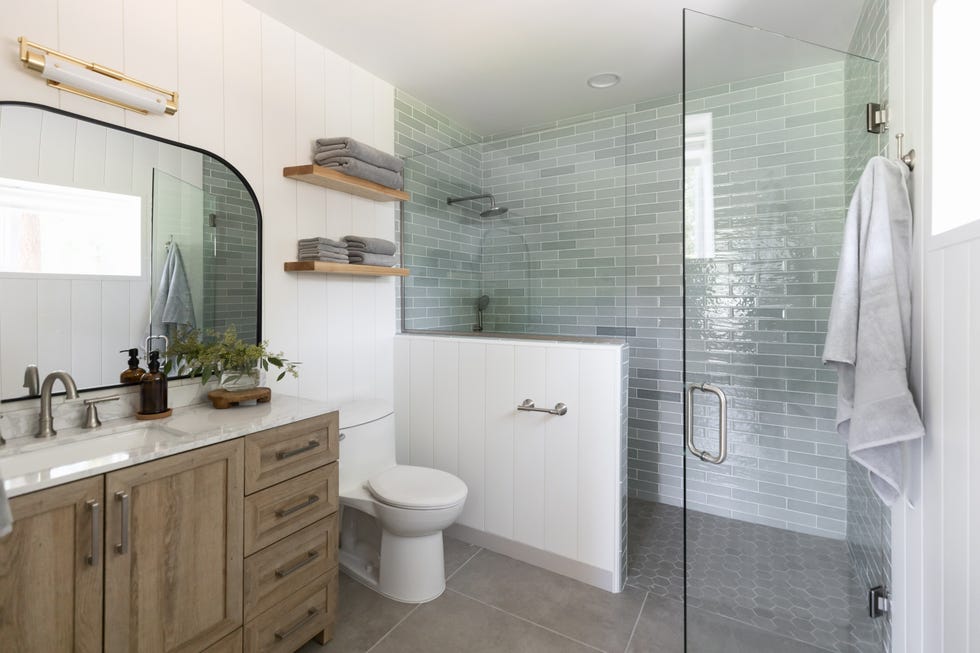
[28, 464]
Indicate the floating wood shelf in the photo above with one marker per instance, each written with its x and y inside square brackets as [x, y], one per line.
[344, 268]
[330, 178]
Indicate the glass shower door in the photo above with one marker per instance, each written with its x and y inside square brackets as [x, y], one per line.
[783, 538]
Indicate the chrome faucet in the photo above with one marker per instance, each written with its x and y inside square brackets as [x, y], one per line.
[71, 392]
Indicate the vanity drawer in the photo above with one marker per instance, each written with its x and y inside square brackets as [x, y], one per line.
[295, 620]
[278, 571]
[281, 453]
[273, 513]
[230, 644]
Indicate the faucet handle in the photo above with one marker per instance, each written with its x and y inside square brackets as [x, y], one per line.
[92, 411]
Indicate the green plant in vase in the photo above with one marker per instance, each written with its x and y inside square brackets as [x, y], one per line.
[235, 362]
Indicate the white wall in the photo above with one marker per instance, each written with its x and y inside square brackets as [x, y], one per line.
[547, 489]
[936, 535]
[256, 93]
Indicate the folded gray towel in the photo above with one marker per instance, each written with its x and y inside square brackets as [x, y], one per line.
[369, 245]
[323, 249]
[367, 258]
[362, 170]
[322, 241]
[328, 258]
[345, 146]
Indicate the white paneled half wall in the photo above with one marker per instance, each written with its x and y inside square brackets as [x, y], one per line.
[546, 489]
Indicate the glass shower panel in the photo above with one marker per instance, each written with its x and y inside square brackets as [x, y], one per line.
[552, 264]
[771, 512]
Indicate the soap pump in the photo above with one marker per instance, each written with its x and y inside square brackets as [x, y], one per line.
[135, 373]
[153, 391]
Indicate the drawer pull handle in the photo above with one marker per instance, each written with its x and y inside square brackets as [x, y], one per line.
[310, 557]
[283, 634]
[96, 509]
[309, 446]
[123, 499]
[285, 512]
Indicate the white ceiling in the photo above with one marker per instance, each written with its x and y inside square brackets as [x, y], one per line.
[501, 65]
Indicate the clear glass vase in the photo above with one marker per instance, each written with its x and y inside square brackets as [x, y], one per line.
[239, 379]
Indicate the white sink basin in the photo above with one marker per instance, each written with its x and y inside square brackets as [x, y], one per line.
[81, 452]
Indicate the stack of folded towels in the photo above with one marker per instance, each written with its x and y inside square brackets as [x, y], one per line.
[371, 251]
[323, 249]
[359, 160]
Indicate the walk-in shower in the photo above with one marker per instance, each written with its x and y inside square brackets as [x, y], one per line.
[492, 212]
[703, 229]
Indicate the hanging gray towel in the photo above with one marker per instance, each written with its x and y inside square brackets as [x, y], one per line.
[369, 244]
[345, 146]
[868, 336]
[172, 306]
[361, 170]
[6, 517]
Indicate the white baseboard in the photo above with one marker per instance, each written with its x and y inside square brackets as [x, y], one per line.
[601, 578]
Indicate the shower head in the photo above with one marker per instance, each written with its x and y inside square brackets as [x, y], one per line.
[482, 302]
[493, 211]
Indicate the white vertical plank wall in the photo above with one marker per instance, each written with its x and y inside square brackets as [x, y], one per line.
[257, 94]
[542, 488]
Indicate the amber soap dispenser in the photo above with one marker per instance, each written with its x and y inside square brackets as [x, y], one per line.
[153, 391]
[135, 373]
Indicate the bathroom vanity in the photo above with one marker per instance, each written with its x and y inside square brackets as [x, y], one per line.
[211, 531]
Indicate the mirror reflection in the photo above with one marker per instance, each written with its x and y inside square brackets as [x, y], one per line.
[108, 238]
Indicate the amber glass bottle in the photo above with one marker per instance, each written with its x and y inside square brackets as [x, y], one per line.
[153, 388]
[135, 373]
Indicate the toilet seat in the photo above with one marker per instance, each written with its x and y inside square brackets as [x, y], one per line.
[417, 488]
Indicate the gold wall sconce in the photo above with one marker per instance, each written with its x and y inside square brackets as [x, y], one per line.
[96, 82]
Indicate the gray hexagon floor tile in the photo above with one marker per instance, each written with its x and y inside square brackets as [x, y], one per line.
[797, 585]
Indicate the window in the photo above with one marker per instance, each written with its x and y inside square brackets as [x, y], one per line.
[58, 230]
[953, 98]
[699, 194]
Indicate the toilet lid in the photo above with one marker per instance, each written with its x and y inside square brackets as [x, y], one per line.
[404, 486]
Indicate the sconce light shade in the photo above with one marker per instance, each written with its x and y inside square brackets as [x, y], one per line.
[97, 82]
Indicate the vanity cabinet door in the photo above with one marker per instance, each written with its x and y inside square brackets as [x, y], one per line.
[174, 551]
[51, 571]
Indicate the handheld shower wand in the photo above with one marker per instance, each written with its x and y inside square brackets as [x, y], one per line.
[481, 305]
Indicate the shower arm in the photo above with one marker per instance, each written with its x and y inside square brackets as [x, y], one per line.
[454, 200]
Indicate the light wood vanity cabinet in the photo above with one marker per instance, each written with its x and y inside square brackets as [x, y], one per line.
[51, 571]
[291, 535]
[174, 551]
[227, 548]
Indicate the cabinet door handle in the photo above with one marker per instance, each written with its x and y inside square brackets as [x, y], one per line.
[310, 557]
[283, 634]
[289, 453]
[123, 499]
[285, 512]
[96, 509]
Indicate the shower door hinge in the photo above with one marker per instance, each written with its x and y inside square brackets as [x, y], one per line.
[877, 601]
[877, 117]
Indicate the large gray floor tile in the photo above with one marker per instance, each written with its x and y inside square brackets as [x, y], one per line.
[454, 623]
[456, 554]
[661, 630]
[583, 612]
[363, 617]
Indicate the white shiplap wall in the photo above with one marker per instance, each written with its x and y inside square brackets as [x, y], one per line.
[542, 488]
[256, 93]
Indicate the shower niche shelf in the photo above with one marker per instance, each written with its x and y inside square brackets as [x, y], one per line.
[325, 267]
[330, 178]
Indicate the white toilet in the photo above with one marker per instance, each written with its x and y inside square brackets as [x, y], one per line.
[392, 516]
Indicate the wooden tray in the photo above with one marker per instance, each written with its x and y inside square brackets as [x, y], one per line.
[228, 398]
[146, 416]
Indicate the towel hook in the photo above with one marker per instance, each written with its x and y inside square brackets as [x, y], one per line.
[907, 158]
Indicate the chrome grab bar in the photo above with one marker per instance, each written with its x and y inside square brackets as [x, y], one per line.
[722, 423]
[528, 405]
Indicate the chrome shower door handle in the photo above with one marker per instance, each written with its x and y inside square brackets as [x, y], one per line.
[718, 458]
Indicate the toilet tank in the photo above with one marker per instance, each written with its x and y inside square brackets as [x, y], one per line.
[367, 445]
